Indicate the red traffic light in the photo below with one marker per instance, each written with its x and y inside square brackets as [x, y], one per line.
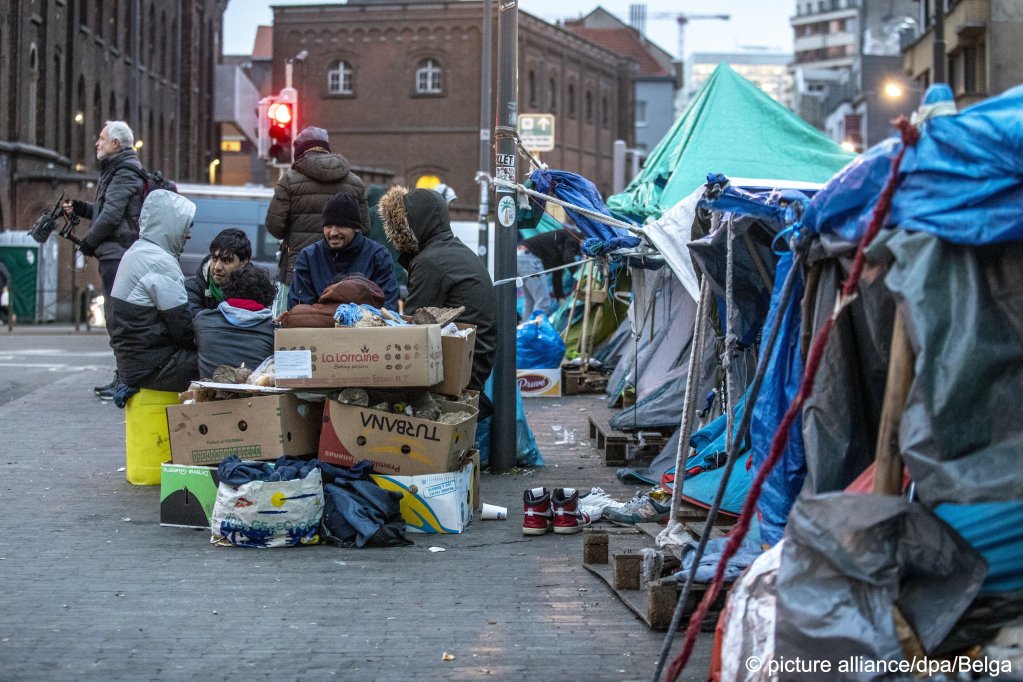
[280, 113]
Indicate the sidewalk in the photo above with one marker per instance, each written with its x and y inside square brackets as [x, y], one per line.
[95, 588]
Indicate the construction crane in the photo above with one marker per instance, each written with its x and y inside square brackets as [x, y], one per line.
[638, 16]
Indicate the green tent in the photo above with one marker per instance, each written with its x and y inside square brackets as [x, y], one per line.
[734, 128]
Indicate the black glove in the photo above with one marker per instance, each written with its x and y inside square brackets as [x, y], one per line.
[87, 249]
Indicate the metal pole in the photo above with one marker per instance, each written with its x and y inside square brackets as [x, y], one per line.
[938, 68]
[502, 434]
[483, 248]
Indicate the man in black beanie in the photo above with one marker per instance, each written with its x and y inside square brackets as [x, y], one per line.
[297, 206]
[344, 250]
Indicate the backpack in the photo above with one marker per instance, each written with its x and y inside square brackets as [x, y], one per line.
[152, 180]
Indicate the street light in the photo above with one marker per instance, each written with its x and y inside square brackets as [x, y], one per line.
[848, 146]
[893, 90]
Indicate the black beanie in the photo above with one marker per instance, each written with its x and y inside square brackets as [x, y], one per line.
[343, 211]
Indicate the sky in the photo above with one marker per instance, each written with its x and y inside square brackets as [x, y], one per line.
[754, 24]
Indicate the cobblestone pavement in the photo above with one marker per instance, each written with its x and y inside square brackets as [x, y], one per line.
[95, 588]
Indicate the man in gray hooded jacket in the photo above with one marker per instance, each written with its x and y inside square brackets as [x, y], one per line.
[150, 328]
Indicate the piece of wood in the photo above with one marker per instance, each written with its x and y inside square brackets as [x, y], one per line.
[887, 459]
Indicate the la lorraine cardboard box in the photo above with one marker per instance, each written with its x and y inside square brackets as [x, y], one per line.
[252, 427]
[187, 495]
[539, 383]
[358, 356]
[458, 354]
[395, 443]
[438, 503]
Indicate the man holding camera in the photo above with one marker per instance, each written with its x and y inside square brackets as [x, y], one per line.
[114, 213]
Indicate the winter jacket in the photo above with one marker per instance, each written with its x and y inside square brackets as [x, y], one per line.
[442, 271]
[318, 266]
[229, 335]
[198, 289]
[115, 213]
[295, 214]
[149, 325]
[352, 289]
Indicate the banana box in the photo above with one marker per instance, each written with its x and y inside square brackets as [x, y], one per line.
[438, 503]
[397, 443]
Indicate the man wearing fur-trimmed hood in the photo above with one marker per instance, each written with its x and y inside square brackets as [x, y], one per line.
[442, 271]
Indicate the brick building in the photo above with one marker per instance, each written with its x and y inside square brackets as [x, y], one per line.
[67, 66]
[398, 88]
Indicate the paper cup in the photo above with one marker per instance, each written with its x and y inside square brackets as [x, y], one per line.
[492, 511]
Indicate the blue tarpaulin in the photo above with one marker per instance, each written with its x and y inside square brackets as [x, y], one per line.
[962, 182]
[995, 530]
[781, 383]
[579, 191]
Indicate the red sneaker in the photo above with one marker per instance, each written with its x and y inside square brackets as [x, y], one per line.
[568, 518]
[537, 517]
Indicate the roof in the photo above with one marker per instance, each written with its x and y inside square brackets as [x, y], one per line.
[263, 45]
[623, 41]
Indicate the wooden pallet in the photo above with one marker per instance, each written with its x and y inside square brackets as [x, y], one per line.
[618, 448]
[615, 556]
[576, 382]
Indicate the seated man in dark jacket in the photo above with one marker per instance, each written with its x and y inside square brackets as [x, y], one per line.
[240, 329]
[229, 250]
[342, 251]
[442, 271]
[150, 329]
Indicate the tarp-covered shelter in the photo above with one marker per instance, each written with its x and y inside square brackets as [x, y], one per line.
[734, 128]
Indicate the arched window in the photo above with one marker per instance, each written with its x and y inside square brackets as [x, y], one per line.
[164, 55]
[571, 100]
[589, 106]
[112, 107]
[428, 77]
[80, 136]
[115, 32]
[99, 18]
[605, 112]
[532, 89]
[340, 78]
[151, 59]
[83, 12]
[552, 96]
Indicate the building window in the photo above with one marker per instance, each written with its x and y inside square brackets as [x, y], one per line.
[340, 78]
[571, 100]
[589, 106]
[428, 77]
[83, 12]
[640, 113]
[552, 97]
[531, 79]
[605, 116]
[970, 70]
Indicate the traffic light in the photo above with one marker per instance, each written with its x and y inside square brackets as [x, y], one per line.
[281, 116]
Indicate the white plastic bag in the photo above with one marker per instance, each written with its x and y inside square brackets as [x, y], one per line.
[268, 513]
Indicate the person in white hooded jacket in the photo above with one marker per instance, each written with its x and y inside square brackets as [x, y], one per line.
[150, 327]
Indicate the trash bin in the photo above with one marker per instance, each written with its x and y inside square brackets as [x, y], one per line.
[146, 437]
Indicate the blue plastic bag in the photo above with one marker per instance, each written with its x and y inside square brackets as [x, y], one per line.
[538, 344]
[527, 454]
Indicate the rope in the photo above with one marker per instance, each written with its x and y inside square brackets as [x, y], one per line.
[599, 217]
[518, 280]
[910, 136]
[510, 133]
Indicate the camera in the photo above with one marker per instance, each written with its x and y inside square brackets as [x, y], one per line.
[46, 223]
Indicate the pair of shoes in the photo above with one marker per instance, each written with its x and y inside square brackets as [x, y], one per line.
[642, 509]
[107, 392]
[560, 512]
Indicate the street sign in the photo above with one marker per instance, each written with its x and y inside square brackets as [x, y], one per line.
[536, 132]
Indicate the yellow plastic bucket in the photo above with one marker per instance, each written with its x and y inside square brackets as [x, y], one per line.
[146, 438]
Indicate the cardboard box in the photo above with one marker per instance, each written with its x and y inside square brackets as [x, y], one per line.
[437, 503]
[539, 383]
[256, 427]
[457, 352]
[187, 495]
[395, 443]
[358, 356]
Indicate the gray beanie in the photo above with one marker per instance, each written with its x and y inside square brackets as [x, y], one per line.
[310, 137]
